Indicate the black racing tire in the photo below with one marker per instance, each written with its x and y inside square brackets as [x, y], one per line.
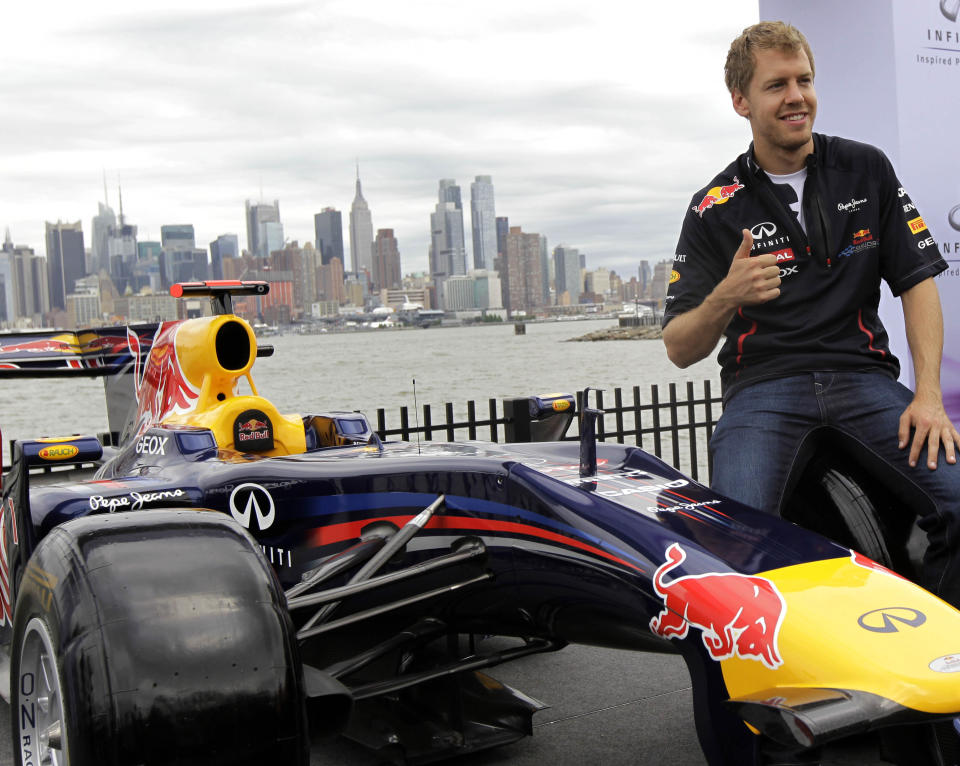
[858, 514]
[155, 638]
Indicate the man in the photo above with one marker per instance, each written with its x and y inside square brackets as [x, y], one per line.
[783, 254]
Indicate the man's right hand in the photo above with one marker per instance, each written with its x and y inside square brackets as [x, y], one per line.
[750, 281]
[689, 337]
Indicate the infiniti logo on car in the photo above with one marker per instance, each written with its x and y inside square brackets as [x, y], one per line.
[765, 229]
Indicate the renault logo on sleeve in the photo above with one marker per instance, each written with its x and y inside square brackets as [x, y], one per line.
[765, 229]
[249, 500]
[891, 619]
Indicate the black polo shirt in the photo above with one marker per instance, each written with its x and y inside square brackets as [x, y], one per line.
[861, 227]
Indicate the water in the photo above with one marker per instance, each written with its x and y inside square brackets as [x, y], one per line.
[371, 369]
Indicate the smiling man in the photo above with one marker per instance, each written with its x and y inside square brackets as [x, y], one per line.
[782, 255]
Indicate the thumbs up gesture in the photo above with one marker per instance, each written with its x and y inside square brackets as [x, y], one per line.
[751, 281]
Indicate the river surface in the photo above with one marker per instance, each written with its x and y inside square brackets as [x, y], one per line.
[365, 370]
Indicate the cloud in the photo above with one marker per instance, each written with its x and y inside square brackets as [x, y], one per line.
[597, 122]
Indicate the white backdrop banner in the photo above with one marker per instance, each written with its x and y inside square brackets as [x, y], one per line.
[888, 73]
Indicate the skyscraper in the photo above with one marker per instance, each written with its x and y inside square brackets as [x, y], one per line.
[361, 233]
[100, 227]
[328, 228]
[567, 265]
[30, 284]
[224, 246]
[503, 228]
[484, 223]
[386, 261]
[181, 261]
[264, 230]
[65, 260]
[524, 270]
[8, 299]
[448, 255]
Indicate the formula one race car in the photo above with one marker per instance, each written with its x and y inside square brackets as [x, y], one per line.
[228, 584]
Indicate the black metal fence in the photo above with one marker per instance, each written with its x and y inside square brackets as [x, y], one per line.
[676, 428]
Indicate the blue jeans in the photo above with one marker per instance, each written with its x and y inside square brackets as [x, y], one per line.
[758, 436]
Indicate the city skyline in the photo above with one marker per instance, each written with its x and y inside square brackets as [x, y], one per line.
[596, 124]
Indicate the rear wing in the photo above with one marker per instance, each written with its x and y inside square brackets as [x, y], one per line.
[90, 353]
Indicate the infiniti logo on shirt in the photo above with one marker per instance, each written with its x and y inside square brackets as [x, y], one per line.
[765, 229]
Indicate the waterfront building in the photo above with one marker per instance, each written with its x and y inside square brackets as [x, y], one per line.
[122, 254]
[177, 237]
[566, 261]
[448, 255]
[545, 272]
[597, 282]
[361, 232]
[149, 307]
[483, 219]
[487, 289]
[28, 274]
[300, 264]
[386, 261]
[8, 297]
[224, 246]
[657, 289]
[356, 287]
[325, 308]
[503, 228]
[264, 230]
[457, 293]
[524, 271]
[100, 226]
[328, 229]
[83, 306]
[406, 298]
[180, 260]
[146, 272]
[330, 285]
[645, 276]
[66, 260]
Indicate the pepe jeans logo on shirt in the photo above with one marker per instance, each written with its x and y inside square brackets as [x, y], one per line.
[852, 206]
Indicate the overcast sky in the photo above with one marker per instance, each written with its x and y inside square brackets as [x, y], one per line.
[597, 120]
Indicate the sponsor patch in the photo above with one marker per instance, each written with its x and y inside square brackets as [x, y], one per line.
[58, 452]
[784, 255]
[738, 615]
[916, 225]
[949, 663]
[674, 276]
[717, 196]
[251, 500]
[864, 235]
[252, 432]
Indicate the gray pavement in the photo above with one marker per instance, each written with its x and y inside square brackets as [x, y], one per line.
[607, 707]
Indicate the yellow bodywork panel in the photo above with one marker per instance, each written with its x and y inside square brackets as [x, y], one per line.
[858, 626]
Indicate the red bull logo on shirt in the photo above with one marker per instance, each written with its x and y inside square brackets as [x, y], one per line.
[738, 615]
[717, 196]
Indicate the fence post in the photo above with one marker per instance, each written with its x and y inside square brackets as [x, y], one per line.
[516, 413]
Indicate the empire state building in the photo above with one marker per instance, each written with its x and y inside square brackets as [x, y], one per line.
[361, 233]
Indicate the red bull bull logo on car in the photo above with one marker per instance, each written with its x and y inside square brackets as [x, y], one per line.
[738, 615]
[717, 196]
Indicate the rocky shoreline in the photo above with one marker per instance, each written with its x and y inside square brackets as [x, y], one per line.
[647, 332]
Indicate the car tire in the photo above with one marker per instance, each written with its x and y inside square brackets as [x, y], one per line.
[154, 637]
[858, 514]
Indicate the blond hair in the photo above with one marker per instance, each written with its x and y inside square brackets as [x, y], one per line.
[767, 35]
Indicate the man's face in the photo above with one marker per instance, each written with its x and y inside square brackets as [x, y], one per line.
[780, 101]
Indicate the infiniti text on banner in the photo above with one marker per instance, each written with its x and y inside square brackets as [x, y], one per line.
[888, 73]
